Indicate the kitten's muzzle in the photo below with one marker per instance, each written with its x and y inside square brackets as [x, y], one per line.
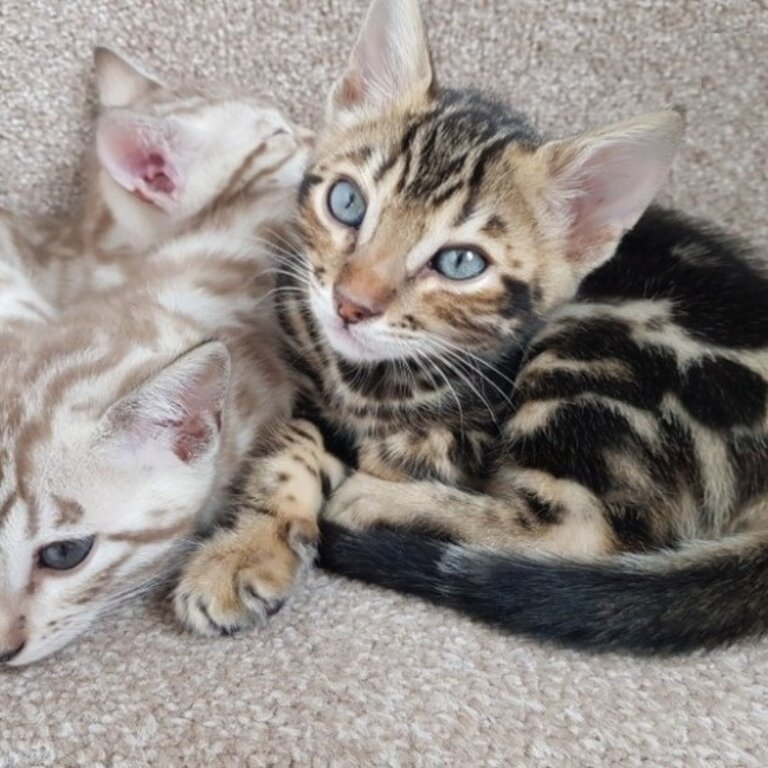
[353, 311]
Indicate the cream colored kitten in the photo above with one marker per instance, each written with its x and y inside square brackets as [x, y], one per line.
[155, 169]
[127, 417]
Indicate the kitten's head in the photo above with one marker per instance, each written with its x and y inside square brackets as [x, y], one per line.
[165, 154]
[439, 220]
[105, 460]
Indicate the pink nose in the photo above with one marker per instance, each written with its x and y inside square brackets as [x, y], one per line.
[351, 311]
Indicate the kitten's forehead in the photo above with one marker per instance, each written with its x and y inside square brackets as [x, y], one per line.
[192, 102]
[442, 149]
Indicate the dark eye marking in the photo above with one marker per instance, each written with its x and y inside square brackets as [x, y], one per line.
[69, 511]
[65, 555]
[309, 181]
[495, 226]
[518, 298]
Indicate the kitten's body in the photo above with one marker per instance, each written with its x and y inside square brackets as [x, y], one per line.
[638, 426]
[131, 409]
[67, 258]
[637, 423]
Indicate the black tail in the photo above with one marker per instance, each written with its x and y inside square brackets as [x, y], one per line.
[708, 595]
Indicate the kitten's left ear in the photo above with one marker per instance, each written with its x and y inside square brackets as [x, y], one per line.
[119, 83]
[147, 156]
[390, 63]
[600, 184]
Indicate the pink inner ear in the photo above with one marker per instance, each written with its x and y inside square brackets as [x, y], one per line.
[153, 172]
[191, 437]
[193, 432]
[138, 157]
[176, 413]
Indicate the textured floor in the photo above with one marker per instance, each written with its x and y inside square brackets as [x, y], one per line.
[349, 676]
[354, 677]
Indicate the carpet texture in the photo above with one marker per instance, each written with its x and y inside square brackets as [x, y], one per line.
[347, 675]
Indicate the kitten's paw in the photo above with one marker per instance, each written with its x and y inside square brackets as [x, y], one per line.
[361, 502]
[239, 578]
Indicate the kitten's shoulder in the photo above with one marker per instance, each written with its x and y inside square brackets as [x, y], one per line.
[717, 282]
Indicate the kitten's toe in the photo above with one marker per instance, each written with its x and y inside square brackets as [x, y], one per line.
[359, 503]
[236, 582]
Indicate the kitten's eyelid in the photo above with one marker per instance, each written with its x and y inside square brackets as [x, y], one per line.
[83, 548]
[350, 179]
[485, 265]
[424, 264]
[338, 217]
[465, 246]
[457, 286]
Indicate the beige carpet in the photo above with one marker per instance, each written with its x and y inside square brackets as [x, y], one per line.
[349, 676]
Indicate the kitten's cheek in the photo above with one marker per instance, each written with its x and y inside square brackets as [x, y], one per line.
[322, 309]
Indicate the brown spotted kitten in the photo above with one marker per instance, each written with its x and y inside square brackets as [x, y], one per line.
[126, 414]
[555, 396]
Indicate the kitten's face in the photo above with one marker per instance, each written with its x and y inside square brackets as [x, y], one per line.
[439, 221]
[167, 154]
[98, 486]
[439, 254]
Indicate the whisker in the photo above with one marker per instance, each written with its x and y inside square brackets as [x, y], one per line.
[457, 355]
[456, 370]
[434, 366]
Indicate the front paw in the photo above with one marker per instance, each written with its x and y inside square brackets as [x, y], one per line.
[362, 501]
[239, 578]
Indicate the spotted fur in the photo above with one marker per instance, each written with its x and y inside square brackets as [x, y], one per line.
[572, 445]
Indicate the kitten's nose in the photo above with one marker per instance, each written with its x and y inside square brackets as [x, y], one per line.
[9, 655]
[353, 311]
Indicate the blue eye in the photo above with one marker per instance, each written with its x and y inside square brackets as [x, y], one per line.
[65, 555]
[346, 203]
[459, 263]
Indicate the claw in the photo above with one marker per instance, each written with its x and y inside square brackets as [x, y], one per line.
[274, 606]
[220, 629]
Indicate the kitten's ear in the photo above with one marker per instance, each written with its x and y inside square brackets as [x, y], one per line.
[390, 63]
[144, 155]
[176, 415]
[119, 83]
[603, 182]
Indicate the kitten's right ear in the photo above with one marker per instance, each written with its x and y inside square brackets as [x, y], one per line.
[119, 83]
[176, 415]
[599, 184]
[390, 64]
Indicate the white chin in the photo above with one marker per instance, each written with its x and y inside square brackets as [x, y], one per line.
[356, 343]
[351, 344]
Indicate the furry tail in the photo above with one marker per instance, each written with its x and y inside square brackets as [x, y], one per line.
[701, 597]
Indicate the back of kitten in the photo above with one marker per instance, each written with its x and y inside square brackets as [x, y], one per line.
[66, 256]
[128, 417]
[161, 159]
